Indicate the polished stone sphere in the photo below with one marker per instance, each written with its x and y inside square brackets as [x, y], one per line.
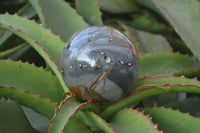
[99, 63]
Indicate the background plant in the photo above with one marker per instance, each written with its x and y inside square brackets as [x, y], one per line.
[33, 34]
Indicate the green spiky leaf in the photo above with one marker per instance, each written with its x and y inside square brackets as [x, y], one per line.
[189, 73]
[191, 105]
[32, 32]
[185, 22]
[149, 4]
[58, 18]
[25, 11]
[151, 43]
[165, 63]
[144, 22]
[39, 104]
[118, 6]
[132, 121]
[150, 86]
[172, 121]
[165, 80]
[94, 122]
[42, 40]
[12, 50]
[65, 113]
[13, 118]
[90, 11]
[25, 76]
[75, 125]
[146, 42]
[38, 121]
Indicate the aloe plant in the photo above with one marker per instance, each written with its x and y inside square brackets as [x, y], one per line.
[165, 97]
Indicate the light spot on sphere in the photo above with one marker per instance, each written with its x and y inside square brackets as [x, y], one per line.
[107, 59]
[102, 53]
[129, 64]
[121, 61]
[99, 66]
[70, 66]
[80, 65]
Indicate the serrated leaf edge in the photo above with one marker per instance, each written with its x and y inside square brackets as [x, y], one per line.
[43, 19]
[108, 125]
[189, 69]
[148, 118]
[50, 61]
[165, 89]
[74, 113]
[163, 76]
[59, 108]
[161, 52]
[27, 92]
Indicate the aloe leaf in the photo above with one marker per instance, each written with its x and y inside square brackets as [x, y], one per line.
[42, 40]
[173, 121]
[132, 98]
[146, 42]
[76, 126]
[12, 50]
[13, 118]
[90, 11]
[179, 46]
[24, 11]
[133, 121]
[37, 7]
[33, 33]
[189, 73]
[150, 86]
[165, 63]
[190, 105]
[7, 35]
[62, 114]
[38, 121]
[186, 23]
[65, 113]
[58, 18]
[27, 11]
[152, 43]
[113, 23]
[149, 4]
[4, 37]
[165, 81]
[95, 123]
[118, 6]
[144, 22]
[21, 53]
[41, 105]
[162, 99]
[25, 76]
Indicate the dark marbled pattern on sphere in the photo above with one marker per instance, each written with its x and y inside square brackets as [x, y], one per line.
[99, 63]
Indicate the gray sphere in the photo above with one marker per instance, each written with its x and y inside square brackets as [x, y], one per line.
[99, 63]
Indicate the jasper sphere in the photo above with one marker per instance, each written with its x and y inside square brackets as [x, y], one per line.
[99, 63]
